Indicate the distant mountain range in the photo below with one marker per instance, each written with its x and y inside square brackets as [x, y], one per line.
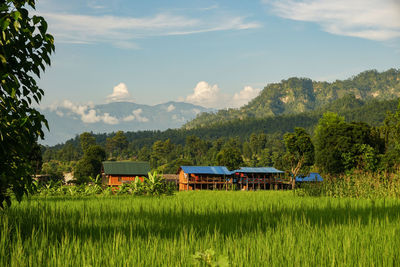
[297, 95]
[68, 119]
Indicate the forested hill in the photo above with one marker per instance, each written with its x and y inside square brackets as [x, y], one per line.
[372, 112]
[297, 95]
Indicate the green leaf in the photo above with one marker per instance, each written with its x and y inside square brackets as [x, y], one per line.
[3, 60]
[36, 19]
[4, 23]
[23, 121]
[16, 15]
[43, 28]
[17, 25]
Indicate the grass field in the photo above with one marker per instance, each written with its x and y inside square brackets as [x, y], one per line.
[243, 228]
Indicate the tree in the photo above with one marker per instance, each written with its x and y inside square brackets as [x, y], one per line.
[161, 153]
[144, 154]
[116, 143]
[390, 130]
[86, 139]
[36, 158]
[326, 136]
[300, 151]
[25, 47]
[342, 146]
[195, 149]
[90, 164]
[230, 155]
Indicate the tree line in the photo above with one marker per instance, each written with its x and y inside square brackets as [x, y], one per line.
[333, 146]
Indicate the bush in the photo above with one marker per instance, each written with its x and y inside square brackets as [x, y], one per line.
[154, 185]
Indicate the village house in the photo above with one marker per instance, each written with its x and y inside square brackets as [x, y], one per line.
[256, 178]
[204, 178]
[119, 172]
[219, 177]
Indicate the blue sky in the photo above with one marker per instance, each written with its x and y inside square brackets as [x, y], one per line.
[211, 53]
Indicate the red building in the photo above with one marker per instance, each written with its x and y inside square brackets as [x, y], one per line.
[119, 172]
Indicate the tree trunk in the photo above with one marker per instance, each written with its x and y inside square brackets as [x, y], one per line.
[296, 170]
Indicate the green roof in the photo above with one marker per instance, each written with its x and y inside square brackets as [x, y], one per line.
[126, 167]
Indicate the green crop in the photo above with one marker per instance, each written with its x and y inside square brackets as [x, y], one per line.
[200, 228]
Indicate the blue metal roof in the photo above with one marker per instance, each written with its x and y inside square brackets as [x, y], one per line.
[257, 170]
[312, 177]
[219, 170]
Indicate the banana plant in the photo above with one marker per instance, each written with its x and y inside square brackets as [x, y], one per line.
[154, 184]
[137, 186]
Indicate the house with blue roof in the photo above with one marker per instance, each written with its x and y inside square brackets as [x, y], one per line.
[259, 178]
[219, 177]
[312, 177]
[204, 178]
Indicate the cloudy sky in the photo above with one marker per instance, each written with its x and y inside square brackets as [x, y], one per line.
[211, 53]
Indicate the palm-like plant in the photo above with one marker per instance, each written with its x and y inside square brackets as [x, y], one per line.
[154, 184]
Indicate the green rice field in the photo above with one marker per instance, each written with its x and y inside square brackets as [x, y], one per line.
[264, 228]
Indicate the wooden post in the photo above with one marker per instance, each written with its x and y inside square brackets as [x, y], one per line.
[226, 185]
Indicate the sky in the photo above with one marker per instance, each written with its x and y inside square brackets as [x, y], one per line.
[216, 54]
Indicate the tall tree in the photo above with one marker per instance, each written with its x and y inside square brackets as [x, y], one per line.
[90, 164]
[342, 146]
[86, 139]
[300, 151]
[25, 47]
[115, 144]
[230, 155]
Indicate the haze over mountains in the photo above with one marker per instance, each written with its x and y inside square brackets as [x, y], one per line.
[68, 119]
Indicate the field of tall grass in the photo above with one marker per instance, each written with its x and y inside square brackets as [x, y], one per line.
[356, 185]
[195, 228]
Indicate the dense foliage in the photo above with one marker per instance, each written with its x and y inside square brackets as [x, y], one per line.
[153, 185]
[25, 50]
[300, 152]
[297, 95]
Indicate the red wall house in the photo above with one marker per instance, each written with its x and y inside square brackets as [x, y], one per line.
[119, 172]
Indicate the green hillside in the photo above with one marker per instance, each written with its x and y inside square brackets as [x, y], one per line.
[372, 112]
[297, 95]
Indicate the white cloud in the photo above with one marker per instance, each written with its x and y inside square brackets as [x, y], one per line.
[210, 96]
[129, 118]
[207, 95]
[136, 115]
[373, 19]
[170, 108]
[106, 118]
[244, 96]
[123, 31]
[90, 117]
[120, 93]
[86, 112]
